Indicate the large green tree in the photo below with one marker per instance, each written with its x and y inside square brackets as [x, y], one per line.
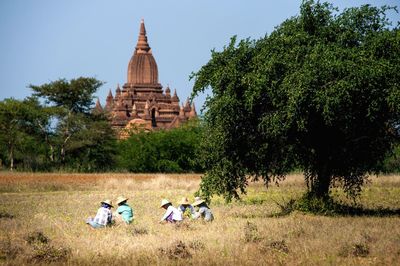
[321, 93]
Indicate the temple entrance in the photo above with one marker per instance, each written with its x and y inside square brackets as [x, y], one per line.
[153, 118]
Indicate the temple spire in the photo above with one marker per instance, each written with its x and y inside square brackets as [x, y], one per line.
[134, 110]
[142, 45]
[98, 109]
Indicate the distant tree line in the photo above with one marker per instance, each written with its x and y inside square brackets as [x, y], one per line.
[56, 129]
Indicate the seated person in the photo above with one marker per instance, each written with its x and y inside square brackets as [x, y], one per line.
[203, 210]
[186, 209]
[124, 212]
[172, 214]
[103, 216]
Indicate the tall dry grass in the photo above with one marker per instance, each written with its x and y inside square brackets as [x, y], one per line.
[243, 233]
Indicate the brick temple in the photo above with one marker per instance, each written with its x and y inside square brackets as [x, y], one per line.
[142, 102]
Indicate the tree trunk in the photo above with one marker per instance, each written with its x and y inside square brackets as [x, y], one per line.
[320, 186]
[62, 153]
[11, 159]
[51, 153]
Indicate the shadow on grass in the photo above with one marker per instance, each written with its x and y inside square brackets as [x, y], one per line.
[329, 207]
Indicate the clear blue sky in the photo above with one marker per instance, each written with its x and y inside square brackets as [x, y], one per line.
[44, 40]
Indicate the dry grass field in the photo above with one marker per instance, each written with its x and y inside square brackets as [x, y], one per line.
[42, 220]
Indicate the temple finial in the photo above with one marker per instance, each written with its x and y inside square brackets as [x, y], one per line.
[142, 45]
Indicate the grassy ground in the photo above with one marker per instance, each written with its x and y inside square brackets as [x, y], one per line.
[243, 233]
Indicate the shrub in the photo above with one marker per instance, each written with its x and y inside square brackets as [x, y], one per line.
[178, 250]
[5, 215]
[197, 245]
[47, 253]
[43, 251]
[251, 232]
[166, 151]
[8, 250]
[279, 246]
[37, 237]
[356, 250]
[136, 231]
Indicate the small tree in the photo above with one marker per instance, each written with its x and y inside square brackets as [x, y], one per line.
[320, 93]
[11, 125]
[19, 134]
[84, 140]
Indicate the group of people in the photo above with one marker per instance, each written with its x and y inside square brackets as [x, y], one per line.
[124, 212]
[104, 216]
[186, 210]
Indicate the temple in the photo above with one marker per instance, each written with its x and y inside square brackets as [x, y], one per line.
[142, 103]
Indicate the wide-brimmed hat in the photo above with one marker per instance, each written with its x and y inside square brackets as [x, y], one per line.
[121, 199]
[197, 201]
[164, 202]
[184, 201]
[108, 202]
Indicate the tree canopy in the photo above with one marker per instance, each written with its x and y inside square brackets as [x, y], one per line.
[320, 93]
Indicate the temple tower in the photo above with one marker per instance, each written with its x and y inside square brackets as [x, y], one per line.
[142, 101]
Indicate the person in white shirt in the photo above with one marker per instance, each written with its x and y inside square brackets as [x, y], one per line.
[172, 214]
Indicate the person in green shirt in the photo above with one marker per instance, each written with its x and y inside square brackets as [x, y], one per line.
[124, 212]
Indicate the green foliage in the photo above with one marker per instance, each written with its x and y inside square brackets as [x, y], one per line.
[392, 162]
[320, 93]
[169, 151]
[75, 95]
[80, 140]
[19, 134]
[60, 134]
[93, 147]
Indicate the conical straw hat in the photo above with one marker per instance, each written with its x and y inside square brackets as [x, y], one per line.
[164, 202]
[184, 201]
[108, 202]
[197, 201]
[121, 199]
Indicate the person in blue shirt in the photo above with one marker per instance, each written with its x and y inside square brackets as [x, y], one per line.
[124, 212]
[204, 212]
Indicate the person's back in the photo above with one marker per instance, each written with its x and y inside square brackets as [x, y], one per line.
[126, 212]
[103, 216]
[206, 213]
[172, 214]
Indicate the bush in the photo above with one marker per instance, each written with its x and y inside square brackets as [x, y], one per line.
[47, 253]
[178, 250]
[356, 250]
[8, 250]
[392, 162]
[165, 151]
[42, 251]
[136, 231]
[251, 232]
[37, 237]
[6, 215]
